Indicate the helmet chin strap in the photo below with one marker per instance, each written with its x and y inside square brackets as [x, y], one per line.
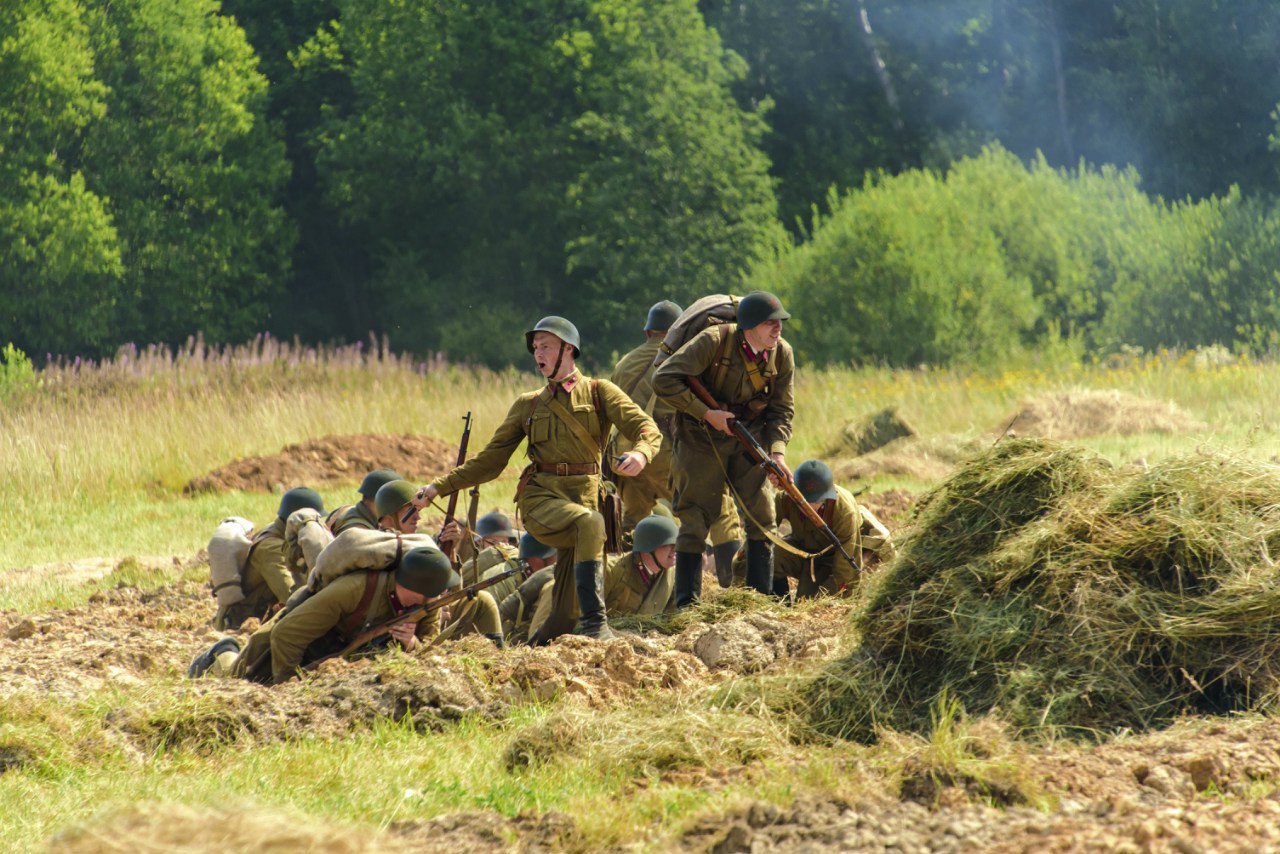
[559, 358]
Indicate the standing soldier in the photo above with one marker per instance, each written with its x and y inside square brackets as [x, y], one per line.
[824, 570]
[362, 514]
[748, 369]
[566, 423]
[634, 375]
[267, 579]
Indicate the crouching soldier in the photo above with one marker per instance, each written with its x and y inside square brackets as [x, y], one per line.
[521, 600]
[267, 578]
[820, 568]
[362, 514]
[566, 423]
[326, 623]
[638, 583]
[496, 545]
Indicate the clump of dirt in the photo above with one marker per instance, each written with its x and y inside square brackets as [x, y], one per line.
[864, 435]
[329, 459]
[1079, 413]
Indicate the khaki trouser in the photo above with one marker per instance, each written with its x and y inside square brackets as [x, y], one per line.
[640, 494]
[700, 487]
[561, 512]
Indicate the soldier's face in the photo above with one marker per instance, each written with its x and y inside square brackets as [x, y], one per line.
[546, 351]
[405, 526]
[665, 556]
[767, 334]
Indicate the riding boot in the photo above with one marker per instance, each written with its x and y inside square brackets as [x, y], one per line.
[760, 566]
[688, 578]
[589, 578]
[782, 588]
[724, 555]
[497, 639]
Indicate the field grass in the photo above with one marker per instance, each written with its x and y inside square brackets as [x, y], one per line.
[92, 464]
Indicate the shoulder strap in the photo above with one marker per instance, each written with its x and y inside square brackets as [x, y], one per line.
[579, 432]
[720, 364]
[352, 624]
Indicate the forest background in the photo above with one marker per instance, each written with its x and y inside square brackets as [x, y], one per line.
[944, 182]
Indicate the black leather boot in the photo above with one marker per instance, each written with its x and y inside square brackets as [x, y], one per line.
[724, 555]
[688, 579]
[760, 566]
[589, 578]
[782, 588]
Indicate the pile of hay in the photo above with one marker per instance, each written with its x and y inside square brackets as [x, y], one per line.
[1095, 412]
[864, 435]
[1040, 583]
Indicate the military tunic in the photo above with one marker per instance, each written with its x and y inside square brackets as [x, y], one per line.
[703, 455]
[560, 510]
[640, 494]
[355, 516]
[479, 565]
[829, 573]
[266, 580]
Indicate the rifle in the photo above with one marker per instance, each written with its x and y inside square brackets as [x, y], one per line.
[610, 500]
[452, 507]
[761, 456]
[413, 615]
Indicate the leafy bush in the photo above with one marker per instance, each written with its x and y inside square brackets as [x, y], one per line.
[16, 372]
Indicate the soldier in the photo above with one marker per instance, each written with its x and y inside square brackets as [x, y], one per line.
[531, 557]
[634, 583]
[825, 570]
[748, 369]
[518, 606]
[640, 494]
[267, 579]
[325, 623]
[392, 503]
[362, 514]
[566, 423]
[495, 547]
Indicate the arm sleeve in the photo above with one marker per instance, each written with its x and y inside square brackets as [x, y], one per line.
[269, 559]
[630, 420]
[691, 360]
[493, 458]
[310, 620]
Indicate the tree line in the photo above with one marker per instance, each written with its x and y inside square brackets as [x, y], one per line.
[930, 181]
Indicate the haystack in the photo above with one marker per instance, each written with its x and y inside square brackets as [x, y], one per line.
[924, 459]
[864, 435]
[1079, 413]
[1044, 585]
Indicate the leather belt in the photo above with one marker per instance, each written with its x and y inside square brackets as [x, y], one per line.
[564, 469]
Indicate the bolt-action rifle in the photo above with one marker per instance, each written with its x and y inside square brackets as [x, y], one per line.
[761, 456]
[414, 615]
[452, 506]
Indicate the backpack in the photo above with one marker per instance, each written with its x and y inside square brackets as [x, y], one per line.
[305, 536]
[713, 310]
[228, 554]
[358, 549]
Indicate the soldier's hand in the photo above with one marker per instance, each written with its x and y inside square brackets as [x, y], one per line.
[630, 464]
[451, 532]
[719, 419]
[425, 496]
[782, 464]
[406, 634]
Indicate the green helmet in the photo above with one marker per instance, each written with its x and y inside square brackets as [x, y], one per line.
[815, 480]
[652, 533]
[757, 307]
[298, 498]
[662, 315]
[391, 496]
[426, 570]
[531, 547]
[374, 480]
[559, 327]
[495, 524]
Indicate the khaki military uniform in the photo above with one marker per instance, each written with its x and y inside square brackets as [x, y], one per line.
[640, 494]
[826, 573]
[266, 580]
[328, 620]
[559, 500]
[478, 565]
[626, 591]
[518, 608]
[354, 516]
[703, 455]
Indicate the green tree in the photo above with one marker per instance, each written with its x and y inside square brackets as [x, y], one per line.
[583, 157]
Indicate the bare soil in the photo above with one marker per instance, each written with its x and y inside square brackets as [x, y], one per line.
[330, 459]
[1206, 784]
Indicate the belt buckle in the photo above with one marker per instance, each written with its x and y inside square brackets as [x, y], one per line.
[562, 469]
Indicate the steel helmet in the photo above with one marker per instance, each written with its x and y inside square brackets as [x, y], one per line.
[374, 480]
[815, 480]
[531, 547]
[559, 327]
[426, 570]
[662, 315]
[495, 524]
[757, 307]
[392, 496]
[652, 533]
[297, 498]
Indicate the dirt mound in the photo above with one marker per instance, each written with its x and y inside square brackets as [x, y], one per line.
[345, 459]
[892, 507]
[864, 435]
[928, 460]
[1093, 412]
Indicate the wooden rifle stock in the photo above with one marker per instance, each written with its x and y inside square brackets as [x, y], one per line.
[761, 456]
[414, 615]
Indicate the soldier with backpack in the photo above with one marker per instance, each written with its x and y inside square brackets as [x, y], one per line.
[362, 514]
[266, 579]
[566, 423]
[748, 369]
[640, 494]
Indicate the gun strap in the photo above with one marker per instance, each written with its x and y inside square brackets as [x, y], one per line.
[589, 442]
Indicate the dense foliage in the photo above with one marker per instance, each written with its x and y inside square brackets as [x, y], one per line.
[935, 181]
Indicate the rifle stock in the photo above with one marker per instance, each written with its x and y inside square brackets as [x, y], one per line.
[452, 507]
[413, 615]
[761, 456]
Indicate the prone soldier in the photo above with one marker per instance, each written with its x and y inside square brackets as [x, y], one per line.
[566, 424]
[748, 369]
